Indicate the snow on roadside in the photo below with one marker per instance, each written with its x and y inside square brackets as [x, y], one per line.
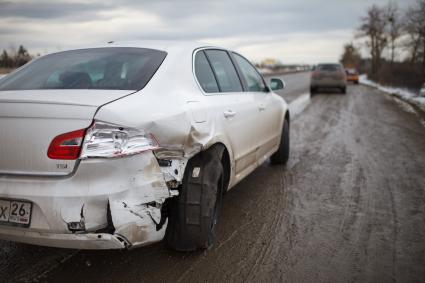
[1, 76]
[398, 92]
[298, 105]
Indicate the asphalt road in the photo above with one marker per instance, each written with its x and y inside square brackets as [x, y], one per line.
[348, 207]
[296, 84]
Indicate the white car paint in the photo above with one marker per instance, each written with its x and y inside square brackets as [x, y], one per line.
[172, 107]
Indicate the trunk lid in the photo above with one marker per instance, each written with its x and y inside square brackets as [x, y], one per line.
[30, 119]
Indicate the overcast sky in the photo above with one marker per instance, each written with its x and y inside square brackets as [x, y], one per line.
[294, 31]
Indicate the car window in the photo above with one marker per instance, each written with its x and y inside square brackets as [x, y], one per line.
[253, 78]
[225, 72]
[204, 73]
[329, 67]
[95, 68]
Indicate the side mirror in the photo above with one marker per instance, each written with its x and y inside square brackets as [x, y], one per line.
[277, 84]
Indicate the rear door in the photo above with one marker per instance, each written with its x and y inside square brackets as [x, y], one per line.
[268, 124]
[236, 109]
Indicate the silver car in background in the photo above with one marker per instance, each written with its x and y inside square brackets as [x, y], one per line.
[326, 76]
[121, 145]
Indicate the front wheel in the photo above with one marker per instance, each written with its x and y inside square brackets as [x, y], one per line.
[281, 156]
[194, 214]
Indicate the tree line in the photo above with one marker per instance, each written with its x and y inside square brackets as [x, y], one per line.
[395, 43]
[14, 59]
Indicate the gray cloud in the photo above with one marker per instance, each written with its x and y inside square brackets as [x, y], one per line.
[48, 10]
[48, 25]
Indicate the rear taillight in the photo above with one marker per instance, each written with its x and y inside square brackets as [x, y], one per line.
[101, 140]
[316, 75]
[67, 146]
[104, 140]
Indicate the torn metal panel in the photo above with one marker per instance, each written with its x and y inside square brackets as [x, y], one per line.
[136, 213]
[174, 170]
[137, 223]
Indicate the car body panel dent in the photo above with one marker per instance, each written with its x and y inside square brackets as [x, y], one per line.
[135, 204]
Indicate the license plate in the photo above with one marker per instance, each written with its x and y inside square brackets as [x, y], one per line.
[15, 212]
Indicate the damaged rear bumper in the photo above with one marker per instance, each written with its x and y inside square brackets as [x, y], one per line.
[106, 204]
[90, 241]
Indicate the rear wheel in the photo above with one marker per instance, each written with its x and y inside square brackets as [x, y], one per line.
[344, 90]
[313, 91]
[194, 214]
[281, 156]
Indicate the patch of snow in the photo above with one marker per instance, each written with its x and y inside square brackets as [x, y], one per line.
[298, 105]
[404, 105]
[398, 92]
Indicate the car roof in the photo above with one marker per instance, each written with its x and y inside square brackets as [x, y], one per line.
[168, 46]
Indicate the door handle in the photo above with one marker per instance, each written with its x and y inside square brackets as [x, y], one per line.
[262, 107]
[229, 113]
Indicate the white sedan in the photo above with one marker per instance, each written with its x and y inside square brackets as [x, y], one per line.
[121, 145]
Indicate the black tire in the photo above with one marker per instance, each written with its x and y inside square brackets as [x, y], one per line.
[281, 156]
[344, 90]
[194, 214]
[313, 91]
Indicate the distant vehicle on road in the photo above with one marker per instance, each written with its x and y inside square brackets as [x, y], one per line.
[328, 76]
[121, 145]
[352, 75]
[422, 91]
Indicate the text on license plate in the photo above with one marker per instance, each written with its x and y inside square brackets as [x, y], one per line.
[15, 212]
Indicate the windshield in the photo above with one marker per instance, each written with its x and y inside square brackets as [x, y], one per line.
[97, 68]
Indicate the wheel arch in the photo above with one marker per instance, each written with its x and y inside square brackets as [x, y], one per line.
[287, 116]
[224, 154]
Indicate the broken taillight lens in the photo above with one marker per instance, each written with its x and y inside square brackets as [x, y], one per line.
[66, 146]
[108, 140]
[101, 140]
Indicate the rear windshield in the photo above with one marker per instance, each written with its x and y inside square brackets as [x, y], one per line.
[119, 68]
[329, 67]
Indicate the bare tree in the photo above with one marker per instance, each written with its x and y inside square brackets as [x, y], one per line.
[22, 56]
[13, 58]
[394, 29]
[373, 27]
[5, 60]
[351, 56]
[415, 28]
